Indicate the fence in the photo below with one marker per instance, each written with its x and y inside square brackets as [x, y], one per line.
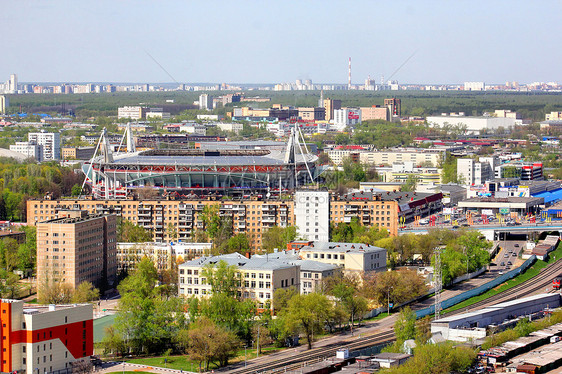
[478, 290]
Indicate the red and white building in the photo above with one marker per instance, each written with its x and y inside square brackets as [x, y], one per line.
[346, 117]
[44, 339]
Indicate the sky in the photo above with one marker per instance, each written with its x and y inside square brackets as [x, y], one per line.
[269, 41]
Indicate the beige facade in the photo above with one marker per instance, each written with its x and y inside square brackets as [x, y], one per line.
[428, 157]
[259, 277]
[351, 257]
[77, 153]
[170, 220]
[329, 106]
[78, 248]
[375, 113]
[383, 214]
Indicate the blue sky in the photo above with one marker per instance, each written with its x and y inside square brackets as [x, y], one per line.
[280, 41]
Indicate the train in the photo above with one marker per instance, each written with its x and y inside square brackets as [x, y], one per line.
[556, 282]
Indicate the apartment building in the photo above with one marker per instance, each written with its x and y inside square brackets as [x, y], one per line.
[351, 257]
[346, 117]
[329, 106]
[260, 277]
[29, 149]
[375, 112]
[45, 339]
[419, 156]
[478, 172]
[164, 255]
[132, 112]
[77, 248]
[312, 214]
[77, 153]
[312, 114]
[172, 220]
[50, 141]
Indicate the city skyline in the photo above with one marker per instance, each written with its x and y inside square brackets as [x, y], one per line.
[244, 42]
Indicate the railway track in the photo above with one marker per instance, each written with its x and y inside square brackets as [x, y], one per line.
[314, 355]
[538, 282]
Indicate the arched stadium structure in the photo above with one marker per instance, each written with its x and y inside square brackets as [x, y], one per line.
[198, 172]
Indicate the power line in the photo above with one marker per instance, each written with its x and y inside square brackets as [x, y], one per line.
[161, 67]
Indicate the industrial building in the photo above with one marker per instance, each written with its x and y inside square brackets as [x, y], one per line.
[476, 325]
[45, 339]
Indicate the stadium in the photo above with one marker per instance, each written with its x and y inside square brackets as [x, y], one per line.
[200, 172]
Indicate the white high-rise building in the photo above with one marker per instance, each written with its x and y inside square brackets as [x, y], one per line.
[205, 102]
[50, 141]
[346, 117]
[312, 215]
[473, 172]
[474, 86]
[4, 104]
[13, 84]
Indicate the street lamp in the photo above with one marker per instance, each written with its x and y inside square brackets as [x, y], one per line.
[388, 299]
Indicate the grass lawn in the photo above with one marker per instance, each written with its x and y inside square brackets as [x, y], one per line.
[184, 363]
[530, 273]
[380, 316]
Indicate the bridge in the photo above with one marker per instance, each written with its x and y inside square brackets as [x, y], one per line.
[494, 231]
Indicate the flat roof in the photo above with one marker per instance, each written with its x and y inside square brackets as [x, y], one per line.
[341, 247]
[241, 262]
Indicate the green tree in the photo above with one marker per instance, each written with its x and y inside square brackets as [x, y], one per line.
[405, 325]
[128, 232]
[148, 319]
[76, 190]
[410, 184]
[238, 243]
[208, 342]
[223, 278]
[355, 305]
[307, 313]
[278, 237]
[85, 292]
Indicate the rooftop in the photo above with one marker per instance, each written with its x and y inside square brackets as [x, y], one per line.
[242, 262]
[341, 247]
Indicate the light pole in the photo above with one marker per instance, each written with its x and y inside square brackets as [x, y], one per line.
[245, 356]
[388, 299]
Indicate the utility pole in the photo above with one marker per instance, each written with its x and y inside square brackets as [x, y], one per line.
[438, 280]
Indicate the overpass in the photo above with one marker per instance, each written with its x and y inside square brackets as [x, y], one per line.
[495, 231]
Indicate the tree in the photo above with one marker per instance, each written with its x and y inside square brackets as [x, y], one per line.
[218, 229]
[76, 190]
[53, 291]
[128, 232]
[405, 325]
[113, 342]
[208, 342]
[394, 287]
[238, 243]
[307, 313]
[410, 184]
[148, 318]
[355, 305]
[85, 292]
[223, 278]
[423, 330]
[278, 237]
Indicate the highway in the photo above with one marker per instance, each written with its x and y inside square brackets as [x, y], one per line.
[540, 226]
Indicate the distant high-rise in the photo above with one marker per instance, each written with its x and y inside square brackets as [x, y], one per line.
[394, 106]
[330, 105]
[205, 102]
[4, 104]
[50, 142]
[13, 84]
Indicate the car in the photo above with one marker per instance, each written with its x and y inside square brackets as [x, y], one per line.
[502, 264]
[516, 245]
[500, 273]
[455, 227]
[509, 263]
[514, 254]
[506, 255]
[447, 221]
[465, 225]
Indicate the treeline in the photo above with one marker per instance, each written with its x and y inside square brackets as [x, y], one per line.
[462, 250]
[22, 181]
[414, 103]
